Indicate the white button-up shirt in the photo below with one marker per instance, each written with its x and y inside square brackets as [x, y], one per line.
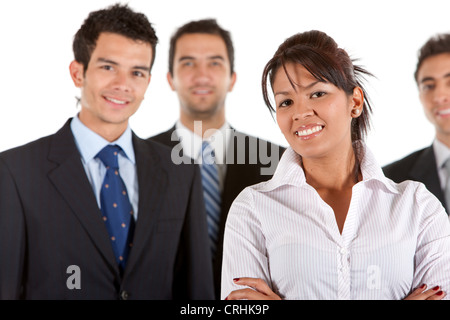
[395, 237]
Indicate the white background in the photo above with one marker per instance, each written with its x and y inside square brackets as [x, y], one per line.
[37, 95]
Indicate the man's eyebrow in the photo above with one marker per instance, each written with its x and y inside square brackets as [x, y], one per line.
[447, 75]
[107, 61]
[193, 58]
[104, 60]
[186, 58]
[216, 57]
[143, 68]
[426, 79]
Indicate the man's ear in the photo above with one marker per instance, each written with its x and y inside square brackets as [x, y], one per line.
[170, 80]
[233, 81]
[77, 73]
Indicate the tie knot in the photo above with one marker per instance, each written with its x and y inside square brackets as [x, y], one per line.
[208, 155]
[109, 156]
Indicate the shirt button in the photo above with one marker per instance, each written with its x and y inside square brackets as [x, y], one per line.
[124, 295]
[343, 251]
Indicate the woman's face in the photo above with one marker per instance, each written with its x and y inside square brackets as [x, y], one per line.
[314, 116]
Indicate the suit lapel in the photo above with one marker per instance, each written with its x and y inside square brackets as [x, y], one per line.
[152, 181]
[425, 170]
[167, 137]
[70, 179]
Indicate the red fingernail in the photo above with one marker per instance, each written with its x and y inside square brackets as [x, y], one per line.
[422, 286]
[236, 279]
[440, 293]
[436, 288]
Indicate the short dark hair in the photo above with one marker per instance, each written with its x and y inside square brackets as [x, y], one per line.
[320, 55]
[439, 43]
[206, 26]
[119, 19]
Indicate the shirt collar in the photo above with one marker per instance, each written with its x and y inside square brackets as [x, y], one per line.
[192, 143]
[442, 153]
[290, 172]
[90, 143]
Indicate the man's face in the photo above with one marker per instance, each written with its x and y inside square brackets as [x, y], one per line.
[114, 84]
[433, 80]
[201, 75]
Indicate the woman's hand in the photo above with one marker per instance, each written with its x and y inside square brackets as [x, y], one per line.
[422, 294]
[259, 290]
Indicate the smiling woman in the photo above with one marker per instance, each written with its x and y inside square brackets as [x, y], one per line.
[329, 224]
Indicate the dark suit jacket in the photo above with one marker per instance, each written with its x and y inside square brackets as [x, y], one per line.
[242, 172]
[50, 220]
[418, 166]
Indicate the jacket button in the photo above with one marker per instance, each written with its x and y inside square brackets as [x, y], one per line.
[124, 295]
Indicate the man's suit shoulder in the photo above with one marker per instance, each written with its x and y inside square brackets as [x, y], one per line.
[399, 170]
[165, 138]
[23, 156]
[166, 157]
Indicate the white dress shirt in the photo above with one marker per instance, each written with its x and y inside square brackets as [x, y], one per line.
[395, 237]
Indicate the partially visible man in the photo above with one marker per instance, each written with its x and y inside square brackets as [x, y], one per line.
[201, 72]
[430, 165]
[93, 211]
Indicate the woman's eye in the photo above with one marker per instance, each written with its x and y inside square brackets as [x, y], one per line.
[318, 94]
[285, 103]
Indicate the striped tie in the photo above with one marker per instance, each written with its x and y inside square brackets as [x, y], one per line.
[211, 193]
[447, 186]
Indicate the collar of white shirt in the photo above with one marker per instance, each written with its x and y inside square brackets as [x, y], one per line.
[442, 153]
[90, 143]
[192, 142]
[290, 172]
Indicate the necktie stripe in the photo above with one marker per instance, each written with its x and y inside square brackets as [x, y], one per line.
[211, 207]
[212, 196]
[211, 192]
[447, 186]
[210, 182]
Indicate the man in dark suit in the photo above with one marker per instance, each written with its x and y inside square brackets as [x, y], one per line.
[55, 237]
[428, 165]
[201, 72]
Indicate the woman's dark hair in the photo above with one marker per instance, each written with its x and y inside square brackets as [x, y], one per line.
[119, 19]
[320, 55]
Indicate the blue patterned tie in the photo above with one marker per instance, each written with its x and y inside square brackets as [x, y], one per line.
[115, 205]
[211, 193]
